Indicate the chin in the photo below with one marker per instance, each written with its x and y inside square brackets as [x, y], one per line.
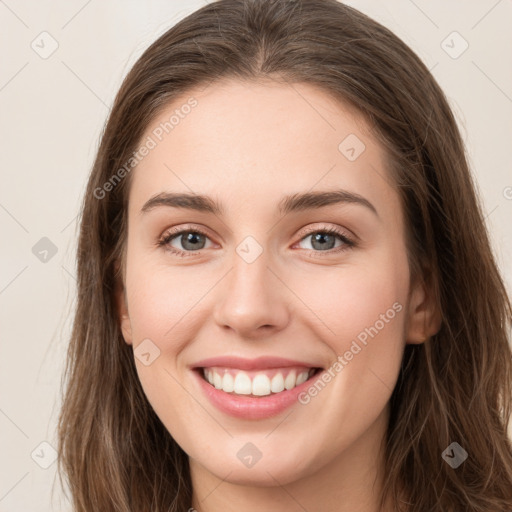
[264, 473]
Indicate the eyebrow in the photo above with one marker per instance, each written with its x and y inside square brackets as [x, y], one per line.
[292, 203]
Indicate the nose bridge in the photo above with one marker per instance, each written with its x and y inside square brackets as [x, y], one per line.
[251, 296]
[250, 263]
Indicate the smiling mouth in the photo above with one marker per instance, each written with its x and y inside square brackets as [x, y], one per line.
[257, 383]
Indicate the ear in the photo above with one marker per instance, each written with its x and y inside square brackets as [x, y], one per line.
[122, 306]
[424, 316]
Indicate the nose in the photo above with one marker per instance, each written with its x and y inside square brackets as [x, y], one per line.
[252, 300]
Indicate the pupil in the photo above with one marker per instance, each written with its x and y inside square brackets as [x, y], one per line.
[321, 239]
[192, 239]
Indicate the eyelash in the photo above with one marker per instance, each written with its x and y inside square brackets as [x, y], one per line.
[170, 235]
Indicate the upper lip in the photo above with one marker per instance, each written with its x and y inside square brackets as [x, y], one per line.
[259, 363]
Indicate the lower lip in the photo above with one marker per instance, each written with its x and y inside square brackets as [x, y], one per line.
[252, 408]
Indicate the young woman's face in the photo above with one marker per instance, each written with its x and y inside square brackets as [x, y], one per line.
[256, 291]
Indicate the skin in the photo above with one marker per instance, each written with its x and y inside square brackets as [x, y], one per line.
[247, 145]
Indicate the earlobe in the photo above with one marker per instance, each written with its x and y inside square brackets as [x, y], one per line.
[123, 316]
[424, 316]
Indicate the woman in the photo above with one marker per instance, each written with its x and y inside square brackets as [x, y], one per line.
[287, 298]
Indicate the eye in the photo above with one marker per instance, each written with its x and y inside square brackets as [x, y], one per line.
[324, 240]
[188, 241]
[193, 240]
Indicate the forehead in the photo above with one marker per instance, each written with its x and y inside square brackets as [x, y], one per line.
[247, 140]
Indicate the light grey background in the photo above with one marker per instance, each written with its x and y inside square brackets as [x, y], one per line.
[52, 112]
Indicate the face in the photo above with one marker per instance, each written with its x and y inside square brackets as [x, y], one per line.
[286, 284]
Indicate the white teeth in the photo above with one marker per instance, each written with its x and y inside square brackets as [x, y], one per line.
[290, 380]
[277, 384]
[243, 385]
[260, 385]
[217, 380]
[228, 383]
[303, 377]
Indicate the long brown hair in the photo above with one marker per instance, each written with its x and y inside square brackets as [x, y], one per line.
[454, 387]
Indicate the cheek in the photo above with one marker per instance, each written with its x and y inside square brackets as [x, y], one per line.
[362, 311]
[161, 306]
[161, 297]
[351, 298]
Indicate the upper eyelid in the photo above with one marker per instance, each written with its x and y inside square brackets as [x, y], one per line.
[326, 227]
[172, 232]
[306, 230]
